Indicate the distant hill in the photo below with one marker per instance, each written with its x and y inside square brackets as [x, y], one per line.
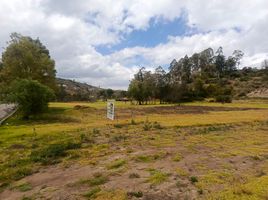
[70, 90]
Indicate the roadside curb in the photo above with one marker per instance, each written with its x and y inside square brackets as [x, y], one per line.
[8, 116]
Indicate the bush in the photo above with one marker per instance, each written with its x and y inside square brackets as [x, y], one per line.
[31, 96]
[224, 98]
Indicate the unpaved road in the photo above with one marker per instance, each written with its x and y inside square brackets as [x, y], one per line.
[5, 110]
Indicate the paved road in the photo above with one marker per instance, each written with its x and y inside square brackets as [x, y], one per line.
[5, 110]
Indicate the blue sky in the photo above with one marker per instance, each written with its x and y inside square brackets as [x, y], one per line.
[157, 32]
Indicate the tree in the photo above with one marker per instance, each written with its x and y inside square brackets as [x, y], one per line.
[161, 84]
[140, 88]
[186, 70]
[31, 96]
[219, 62]
[264, 64]
[206, 64]
[109, 93]
[237, 56]
[27, 58]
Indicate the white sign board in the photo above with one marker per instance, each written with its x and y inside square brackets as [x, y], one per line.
[110, 109]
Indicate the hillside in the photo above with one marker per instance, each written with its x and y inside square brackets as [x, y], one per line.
[251, 84]
[70, 90]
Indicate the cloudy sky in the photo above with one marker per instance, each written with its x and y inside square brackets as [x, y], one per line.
[104, 42]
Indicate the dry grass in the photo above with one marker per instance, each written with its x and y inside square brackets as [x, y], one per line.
[226, 151]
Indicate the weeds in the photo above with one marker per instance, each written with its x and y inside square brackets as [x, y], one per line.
[138, 194]
[134, 175]
[147, 125]
[116, 164]
[178, 157]
[157, 177]
[95, 131]
[133, 122]
[193, 179]
[21, 173]
[157, 125]
[118, 138]
[118, 125]
[150, 158]
[52, 153]
[86, 138]
[97, 179]
[23, 187]
[92, 193]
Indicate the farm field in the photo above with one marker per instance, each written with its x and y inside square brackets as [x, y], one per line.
[197, 150]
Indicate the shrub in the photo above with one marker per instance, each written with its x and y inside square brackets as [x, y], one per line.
[224, 98]
[31, 96]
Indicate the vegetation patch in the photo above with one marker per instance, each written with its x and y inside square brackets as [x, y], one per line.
[52, 153]
[157, 177]
[150, 158]
[116, 164]
[193, 179]
[134, 175]
[97, 179]
[138, 194]
[177, 157]
[23, 187]
[118, 138]
[91, 194]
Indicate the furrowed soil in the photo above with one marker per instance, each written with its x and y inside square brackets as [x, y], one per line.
[189, 151]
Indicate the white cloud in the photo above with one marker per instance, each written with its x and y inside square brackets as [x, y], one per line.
[72, 29]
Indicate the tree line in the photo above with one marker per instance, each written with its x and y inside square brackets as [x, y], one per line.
[204, 74]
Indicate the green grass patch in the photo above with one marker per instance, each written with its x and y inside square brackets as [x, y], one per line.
[150, 158]
[52, 153]
[116, 164]
[23, 187]
[91, 194]
[157, 177]
[177, 157]
[97, 179]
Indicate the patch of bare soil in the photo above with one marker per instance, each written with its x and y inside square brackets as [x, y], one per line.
[128, 112]
[259, 93]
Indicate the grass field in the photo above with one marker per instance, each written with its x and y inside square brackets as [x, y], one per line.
[197, 150]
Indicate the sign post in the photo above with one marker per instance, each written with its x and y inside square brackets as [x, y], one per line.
[110, 109]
